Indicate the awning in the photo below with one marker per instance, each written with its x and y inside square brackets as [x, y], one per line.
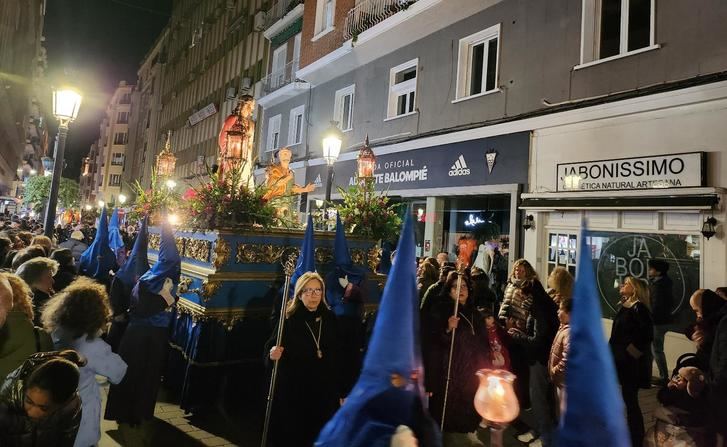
[629, 200]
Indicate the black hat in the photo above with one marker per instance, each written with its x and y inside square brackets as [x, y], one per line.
[659, 265]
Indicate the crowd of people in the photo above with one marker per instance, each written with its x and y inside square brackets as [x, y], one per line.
[62, 323]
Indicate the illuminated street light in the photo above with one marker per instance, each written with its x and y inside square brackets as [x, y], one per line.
[66, 102]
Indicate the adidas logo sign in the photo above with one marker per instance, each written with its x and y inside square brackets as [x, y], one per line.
[459, 168]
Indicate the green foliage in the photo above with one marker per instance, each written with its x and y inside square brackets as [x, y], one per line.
[37, 190]
[231, 201]
[150, 202]
[367, 213]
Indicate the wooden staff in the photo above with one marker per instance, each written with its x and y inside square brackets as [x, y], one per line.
[460, 272]
[289, 268]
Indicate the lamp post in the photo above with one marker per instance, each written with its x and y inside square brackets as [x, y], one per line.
[332, 141]
[66, 102]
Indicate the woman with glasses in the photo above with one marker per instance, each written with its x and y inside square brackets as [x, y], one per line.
[631, 336]
[309, 385]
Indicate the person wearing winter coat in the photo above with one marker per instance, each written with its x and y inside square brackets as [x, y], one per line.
[39, 403]
[66, 268]
[471, 352]
[18, 337]
[38, 273]
[631, 336]
[558, 361]
[531, 317]
[662, 302]
[76, 244]
[309, 386]
[76, 318]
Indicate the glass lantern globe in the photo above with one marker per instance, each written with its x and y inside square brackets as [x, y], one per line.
[495, 399]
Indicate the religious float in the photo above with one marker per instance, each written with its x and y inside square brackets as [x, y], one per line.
[232, 260]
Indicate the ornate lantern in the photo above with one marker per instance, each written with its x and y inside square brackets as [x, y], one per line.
[235, 150]
[366, 162]
[166, 161]
[496, 402]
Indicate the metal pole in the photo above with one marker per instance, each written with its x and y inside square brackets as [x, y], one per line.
[289, 268]
[50, 209]
[329, 186]
[460, 272]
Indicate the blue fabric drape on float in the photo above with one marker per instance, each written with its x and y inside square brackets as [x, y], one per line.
[116, 242]
[98, 258]
[389, 391]
[594, 413]
[137, 263]
[307, 258]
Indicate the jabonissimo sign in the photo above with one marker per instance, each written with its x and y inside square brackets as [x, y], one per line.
[659, 171]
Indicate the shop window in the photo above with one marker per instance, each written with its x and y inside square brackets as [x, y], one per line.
[616, 27]
[562, 251]
[273, 140]
[618, 255]
[343, 107]
[402, 89]
[295, 128]
[478, 60]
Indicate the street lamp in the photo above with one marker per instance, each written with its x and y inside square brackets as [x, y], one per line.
[66, 102]
[332, 141]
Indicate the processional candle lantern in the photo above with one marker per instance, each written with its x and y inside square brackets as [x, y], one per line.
[496, 401]
[166, 161]
[366, 162]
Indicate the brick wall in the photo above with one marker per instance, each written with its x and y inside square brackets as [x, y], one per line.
[312, 51]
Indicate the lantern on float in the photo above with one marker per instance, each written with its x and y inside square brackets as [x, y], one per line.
[366, 162]
[235, 150]
[166, 161]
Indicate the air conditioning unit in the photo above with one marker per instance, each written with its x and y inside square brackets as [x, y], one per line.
[231, 93]
[259, 22]
[245, 83]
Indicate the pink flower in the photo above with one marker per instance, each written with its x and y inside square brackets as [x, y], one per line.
[189, 194]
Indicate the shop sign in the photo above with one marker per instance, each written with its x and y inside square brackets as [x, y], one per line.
[619, 255]
[202, 114]
[466, 163]
[660, 171]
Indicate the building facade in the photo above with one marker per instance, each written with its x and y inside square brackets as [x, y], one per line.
[525, 114]
[209, 55]
[23, 134]
[102, 172]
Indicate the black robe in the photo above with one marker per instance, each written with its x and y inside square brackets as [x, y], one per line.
[308, 388]
[471, 353]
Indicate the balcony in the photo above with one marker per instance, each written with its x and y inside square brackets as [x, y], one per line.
[280, 78]
[281, 15]
[370, 13]
[281, 85]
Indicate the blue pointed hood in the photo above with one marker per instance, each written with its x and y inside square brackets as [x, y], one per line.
[594, 415]
[341, 255]
[169, 264]
[116, 242]
[98, 258]
[375, 406]
[137, 263]
[307, 258]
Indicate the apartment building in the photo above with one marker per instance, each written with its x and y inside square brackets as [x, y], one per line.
[529, 116]
[102, 172]
[23, 134]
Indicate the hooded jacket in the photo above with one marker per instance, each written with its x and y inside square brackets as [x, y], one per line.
[16, 429]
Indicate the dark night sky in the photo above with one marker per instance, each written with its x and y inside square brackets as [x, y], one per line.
[95, 44]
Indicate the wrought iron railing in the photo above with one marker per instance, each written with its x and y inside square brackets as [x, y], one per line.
[281, 78]
[279, 9]
[370, 13]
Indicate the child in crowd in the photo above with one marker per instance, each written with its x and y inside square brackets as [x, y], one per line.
[76, 318]
[558, 361]
[499, 354]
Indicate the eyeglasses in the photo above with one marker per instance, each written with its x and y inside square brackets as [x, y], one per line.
[310, 291]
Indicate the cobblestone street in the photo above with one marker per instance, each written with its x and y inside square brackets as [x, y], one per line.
[174, 428]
